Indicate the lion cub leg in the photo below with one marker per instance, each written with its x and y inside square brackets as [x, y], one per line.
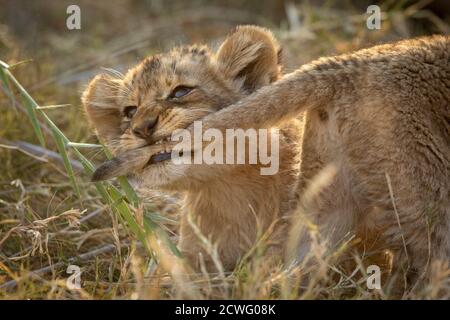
[419, 237]
[412, 218]
[326, 215]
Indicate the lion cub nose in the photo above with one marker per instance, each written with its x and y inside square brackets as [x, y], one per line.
[145, 129]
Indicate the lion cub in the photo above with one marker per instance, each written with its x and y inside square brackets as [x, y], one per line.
[136, 114]
[380, 118]
[376, 121]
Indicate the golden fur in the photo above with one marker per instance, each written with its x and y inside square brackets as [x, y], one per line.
[376, 120]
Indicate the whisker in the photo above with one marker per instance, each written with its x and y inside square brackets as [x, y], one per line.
[114, 72]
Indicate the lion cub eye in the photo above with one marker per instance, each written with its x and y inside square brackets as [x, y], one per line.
[129, 111]
[180, 91]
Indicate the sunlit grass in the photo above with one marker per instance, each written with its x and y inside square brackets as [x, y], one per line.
[123, 202]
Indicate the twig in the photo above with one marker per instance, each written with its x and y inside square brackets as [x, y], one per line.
[39, 152]
[85, 256]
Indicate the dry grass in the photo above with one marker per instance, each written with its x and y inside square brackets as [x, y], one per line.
[45, 225]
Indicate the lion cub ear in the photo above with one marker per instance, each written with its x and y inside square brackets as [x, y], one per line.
[250, 54]
[103, 112]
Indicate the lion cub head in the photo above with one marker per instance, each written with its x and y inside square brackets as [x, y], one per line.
[170, 91]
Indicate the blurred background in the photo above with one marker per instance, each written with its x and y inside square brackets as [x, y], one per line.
[54, 64]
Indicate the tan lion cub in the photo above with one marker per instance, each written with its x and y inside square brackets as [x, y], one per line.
[229, 204]
[379, 118]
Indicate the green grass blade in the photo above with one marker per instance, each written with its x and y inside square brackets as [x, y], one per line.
[83, 145]
[34, 122]
[3, 65]
[123, 181]
[14, 65]
[33, 104]
[30, 106]
[67, 164]
[7, 85]
[152, 227]
[125, 212]
[129, 191]
[54, 106]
